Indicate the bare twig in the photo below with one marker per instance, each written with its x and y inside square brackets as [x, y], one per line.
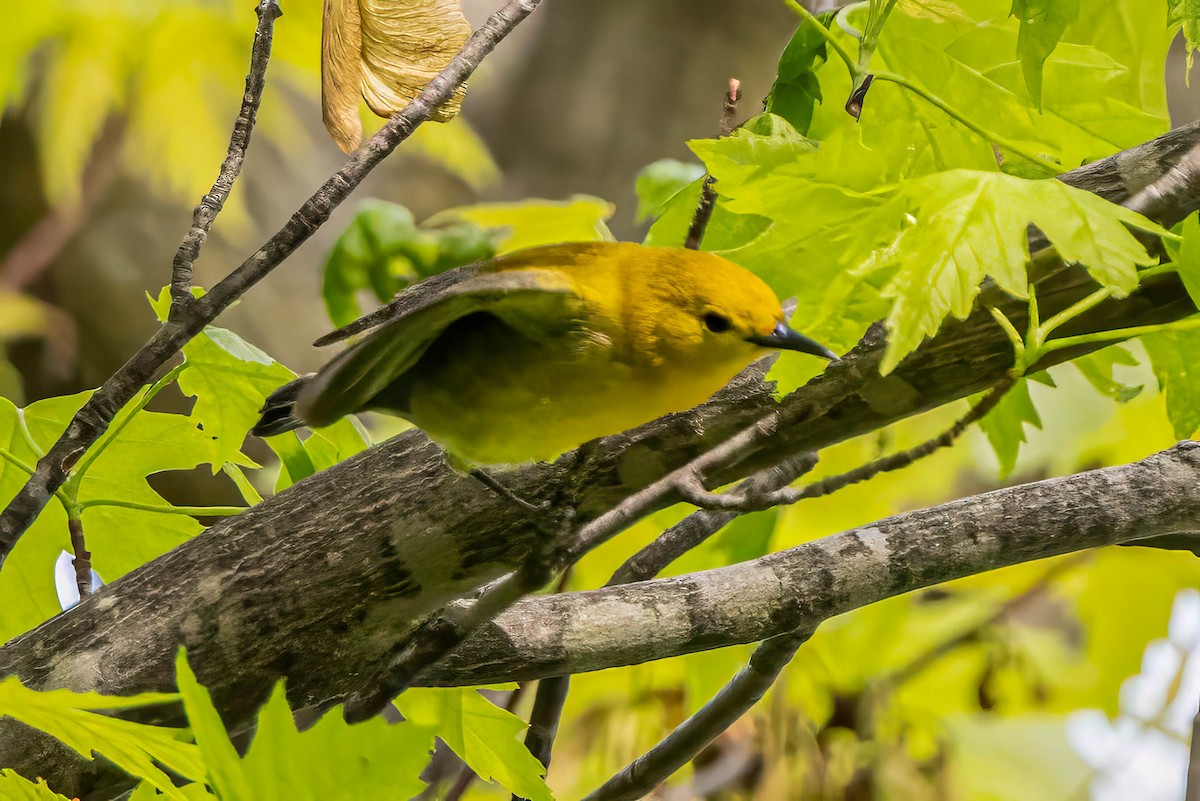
[685, 743]
[646, 564]
[211, 204]
[699, 526]
[544, 718]
[690, 484]
[708, 196]
[83, 557]
[729, 106]
[96, 414]
[691, 737]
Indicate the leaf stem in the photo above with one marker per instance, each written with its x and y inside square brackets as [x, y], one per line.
[1120, 333]
[950, 111]
[827, 35]
[18, 463]
[1074, 310]
[124, 417]
[191, 511]
[1014, 336]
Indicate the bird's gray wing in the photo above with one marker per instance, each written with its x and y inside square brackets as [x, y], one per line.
[532, 300]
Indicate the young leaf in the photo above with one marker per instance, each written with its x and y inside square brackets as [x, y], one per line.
[223, 767]
[384, 250]
[133, 747]
[968, 225]
[796, 89]
[120, 538]
[1005, 425]
[1098, 367]
[1187, 262]
[1173, 356]
[15, 787]
[1043, 23]
[230, 379]
[536, 222]
[482, 734]
[1186, 13]
[332, 759]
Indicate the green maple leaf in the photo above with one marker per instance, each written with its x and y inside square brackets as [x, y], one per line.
[133, 747]
[483, 735]
[967, 225]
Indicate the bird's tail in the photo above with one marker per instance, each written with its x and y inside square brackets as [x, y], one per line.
[279, 410]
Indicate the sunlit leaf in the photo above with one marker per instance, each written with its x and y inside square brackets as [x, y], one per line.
[1043, 23]
[332, 759]
[15, 787]
[969, 225]
[1173, 356]
[134, 747]
[1005, 425]
[536, 222]
[1186, 13]
[483, 735]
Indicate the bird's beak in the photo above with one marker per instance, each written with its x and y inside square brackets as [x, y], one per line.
[785, 338]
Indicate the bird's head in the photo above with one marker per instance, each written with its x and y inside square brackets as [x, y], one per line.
[698, 307]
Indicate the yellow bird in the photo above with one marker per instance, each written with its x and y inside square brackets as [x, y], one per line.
[525, 356]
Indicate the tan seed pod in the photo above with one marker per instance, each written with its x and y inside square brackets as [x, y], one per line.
[386, 51]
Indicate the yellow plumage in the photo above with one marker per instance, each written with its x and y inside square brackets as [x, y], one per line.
[525, 356]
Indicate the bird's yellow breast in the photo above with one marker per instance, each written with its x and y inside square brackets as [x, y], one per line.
[493, 395]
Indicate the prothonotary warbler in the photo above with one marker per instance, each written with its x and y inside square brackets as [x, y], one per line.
[527, 355]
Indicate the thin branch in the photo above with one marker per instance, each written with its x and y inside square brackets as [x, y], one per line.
[83, 557]
[692, 736]
[708, 195]
[729, 106]
[211, 204]
[646, 564]
[813, 582]
[683, 745]
[699, 526]
[96, 414]
[691, 486]
[544, 718]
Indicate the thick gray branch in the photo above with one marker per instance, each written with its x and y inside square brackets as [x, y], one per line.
[801, 587]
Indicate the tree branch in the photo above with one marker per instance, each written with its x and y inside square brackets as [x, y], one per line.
[801, 587]
[692, 736]
[211, 204]
[708, 195]
[692, 489]
[646, 564]
[95, 415]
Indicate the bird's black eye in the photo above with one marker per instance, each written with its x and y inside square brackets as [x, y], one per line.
[717, 323]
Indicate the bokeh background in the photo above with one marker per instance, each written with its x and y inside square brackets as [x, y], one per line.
[115, 117]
